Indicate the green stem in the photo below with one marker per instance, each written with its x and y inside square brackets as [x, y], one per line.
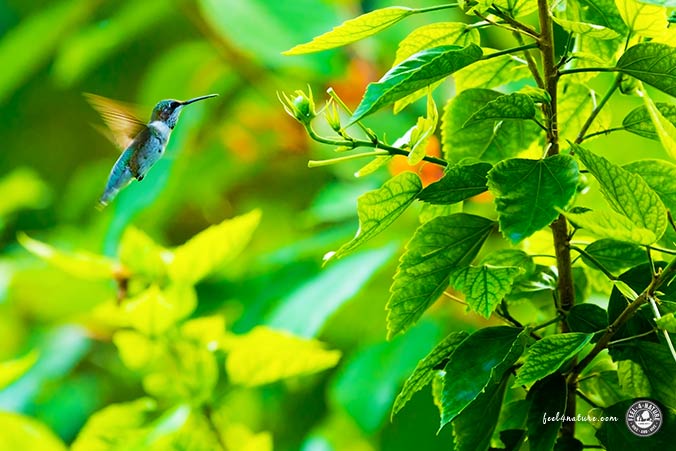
[331, 92]
[596, 263]
[577, 70]
[435, 8]
[595, 112]
[663, 250]
[532, 66]
[548, 323]
[513, 22]
[510, 51]
[602, 132]
[330, 161]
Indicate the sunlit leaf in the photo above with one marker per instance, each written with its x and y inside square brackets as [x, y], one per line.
[141, 255]
[588, 29]
[514, 8]
[608, 224]
[491, 73]
[433, 35]
[353, 30]
[137, 351]
[528, 192]
[379, 208]
[208, 330]
[437, 248]
[373, 165]
[483, 140]
[155, 310]
[664, 128]
[627, 193]
[639, 121]
[212, 248]
[510, 106]
[547, 398]
[11, 370]
[667, 322]
[19, 432]
[414, 73]
[549, 354]
[423, 374]
[484, 286]
[643, 19]
[79, 264]
[469, 372]
[460, 181]
[263, 356]
[576, 103]
[422, 131]
[22, 188]
[651, 63]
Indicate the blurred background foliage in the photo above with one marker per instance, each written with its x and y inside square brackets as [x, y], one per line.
[228, 156]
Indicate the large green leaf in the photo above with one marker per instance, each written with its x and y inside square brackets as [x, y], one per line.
[614, 255]
[21, 432]
[660, 175]
[353, 30]
[263, 355]
[576, 102]
[643, 19]
[491, 73]
[414, 73]
[514, 8]
[529, 192]
[484, 140]
[587, 29]
[484, 286]
[379, 208]
[627, 193]
[460, 181]
[547, 401]
[212, 248]
[601, 12]
[549, 354]
[639, 121]
[509, 106]
[423, 374]
[608, 224]
[437, 248]
[587, 318]
[470, 371]
[651, 63]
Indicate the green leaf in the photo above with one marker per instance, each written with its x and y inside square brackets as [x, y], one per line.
[21, 432]
[460, 181]
[666, 131]
[426, 369]
[141, 255]
[263, 356]
[547, 400]
[657, 364]
[608, 224]
[483, 141]
[643, 19]
[601, 12]
[80, 264]
[422, 131]
[434, 35]
[474, 426]
[576, 102]
[627, 193]
[652, 63]
[373, 165]
[603, 388]
[514, 8]
[667, 322]
[436, 249]
[549, 354]
[587, 318]
[353, 30]
[632, 379]
[469, 372]
[379, 208]
[154, 311]
[529, 192]
[587, 29]
[484, 286]
[22, 188]
[510, 106]
[511, 257]
[614, 255]
[11, 370]
[491, 73]
[414, 73]
[213, 248]
[639, 120]
[139, 352]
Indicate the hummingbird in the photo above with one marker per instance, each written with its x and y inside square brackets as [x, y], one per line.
[143, 143]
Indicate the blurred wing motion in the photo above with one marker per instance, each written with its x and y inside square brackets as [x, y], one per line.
[120, 119]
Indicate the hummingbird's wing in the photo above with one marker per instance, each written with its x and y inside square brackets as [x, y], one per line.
[123, 123]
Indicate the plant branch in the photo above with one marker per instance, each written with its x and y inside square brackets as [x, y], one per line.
[577, 70]
[532, 66]
[595, 112]
[602, 132]
[513, 22]
[596, 263]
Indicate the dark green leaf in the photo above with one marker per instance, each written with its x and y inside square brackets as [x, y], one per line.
[511, 106]
[414, 73]
[474, 426]
[427, 368]
[484, 286]
[483, 140]
[568, 443]
[529, 192]
[512, 438]
[615, 435]
[549, 354]
[379, 208]
[627, 193]
[632, 379]
[587, 318]
[460, 182]
[652, 63]
[438, 247]
[547, 398]
[602, 388]
[353, 30]
[469, 371]
[639, 121]
[614, 255]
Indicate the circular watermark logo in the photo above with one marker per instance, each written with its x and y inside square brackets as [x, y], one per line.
[644, 418]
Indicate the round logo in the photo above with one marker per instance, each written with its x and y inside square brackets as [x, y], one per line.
[644, 418]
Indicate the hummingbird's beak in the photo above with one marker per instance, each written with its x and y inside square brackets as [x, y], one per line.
[197, 99]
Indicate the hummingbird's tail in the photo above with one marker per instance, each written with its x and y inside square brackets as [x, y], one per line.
[119, 178]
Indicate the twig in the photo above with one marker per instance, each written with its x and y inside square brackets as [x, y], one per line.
[595, 112]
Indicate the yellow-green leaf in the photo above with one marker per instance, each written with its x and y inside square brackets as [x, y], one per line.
[264, 355]
[514, 8]
[19, 432]
[484, 286]
[154, 311]
[667, 322]
[137, 351]
[212, 248]
[353, 30]
[643, 19]
[652, 63]
[423, 130]
[608, 224]
[22, 188]
[665, 129]
[588, 29]
[12, 370]
[141, 255]
[81, 264]
[491, 73]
